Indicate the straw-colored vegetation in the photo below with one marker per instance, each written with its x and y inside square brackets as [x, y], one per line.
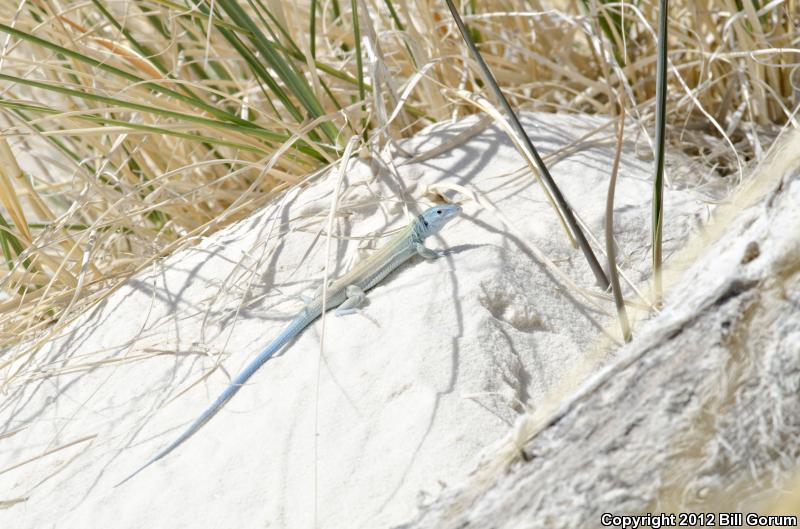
[144, 125]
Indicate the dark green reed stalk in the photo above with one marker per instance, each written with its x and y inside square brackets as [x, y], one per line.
[563, 207]
[658, 181]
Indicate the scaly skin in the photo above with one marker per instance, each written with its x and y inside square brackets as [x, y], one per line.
[346, 292]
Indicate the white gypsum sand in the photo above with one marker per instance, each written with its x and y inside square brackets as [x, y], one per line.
[440, 363]
[698, 414]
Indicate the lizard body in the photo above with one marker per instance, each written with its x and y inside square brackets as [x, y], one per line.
[346, 293]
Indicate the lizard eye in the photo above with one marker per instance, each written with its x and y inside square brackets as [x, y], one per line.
[438, 211]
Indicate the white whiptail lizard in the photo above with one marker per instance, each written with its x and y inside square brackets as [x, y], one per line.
[346, 293]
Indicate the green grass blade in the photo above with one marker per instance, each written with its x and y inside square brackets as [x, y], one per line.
[263, 75]
[152, 85]
[153, 129]
[59, 145]
[231, 33]
[6, 239]
[658, 180]
[393, 14]
[312, 29]
[293, 51]
[359, 66]
[144, 50]
[9, 241]
[148, 109]
[612, 25]
[296, 84]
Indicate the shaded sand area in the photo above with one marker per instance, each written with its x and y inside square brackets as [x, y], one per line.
[361, 425]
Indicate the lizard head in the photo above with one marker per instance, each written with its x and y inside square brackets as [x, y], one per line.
[434, 219]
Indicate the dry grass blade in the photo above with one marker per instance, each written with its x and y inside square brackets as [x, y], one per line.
[345, 161]
[48, 452]
[616, 290]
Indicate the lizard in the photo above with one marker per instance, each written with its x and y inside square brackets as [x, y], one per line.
[345, 294]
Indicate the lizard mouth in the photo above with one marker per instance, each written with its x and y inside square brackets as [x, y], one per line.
[451, 211]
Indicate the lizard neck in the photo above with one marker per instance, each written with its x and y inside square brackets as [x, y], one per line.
[419, 230]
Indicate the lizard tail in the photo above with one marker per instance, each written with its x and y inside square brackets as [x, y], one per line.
[291, 330]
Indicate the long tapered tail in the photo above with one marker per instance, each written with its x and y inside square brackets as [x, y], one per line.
[291, 330]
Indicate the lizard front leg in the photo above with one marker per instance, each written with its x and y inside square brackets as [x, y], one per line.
[427, 253]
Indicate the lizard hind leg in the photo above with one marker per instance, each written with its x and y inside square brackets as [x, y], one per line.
[355, 298]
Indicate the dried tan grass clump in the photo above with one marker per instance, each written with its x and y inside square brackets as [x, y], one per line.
[142, 126]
